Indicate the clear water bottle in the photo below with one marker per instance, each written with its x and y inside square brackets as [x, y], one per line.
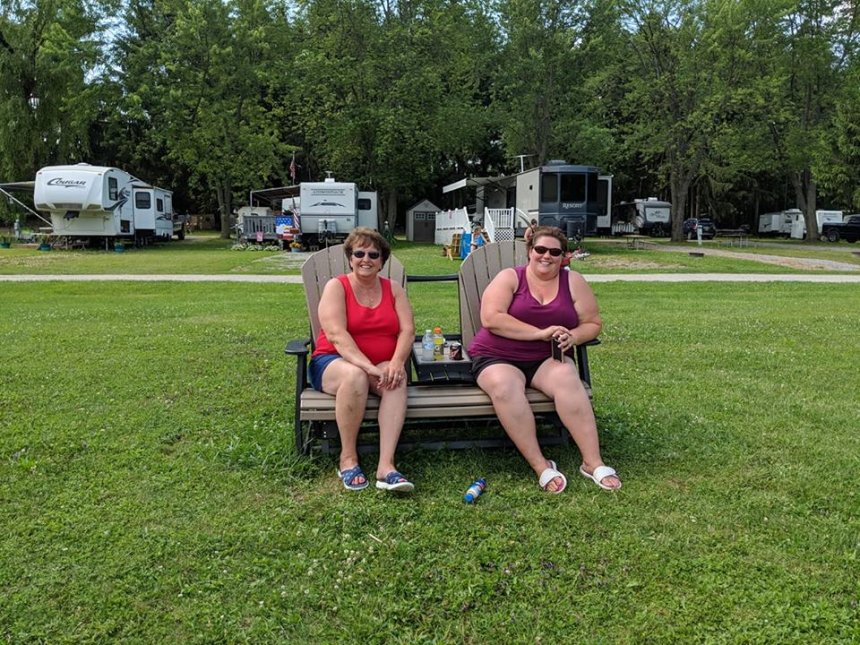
[427, 346]
[475, 490]
[438, 344]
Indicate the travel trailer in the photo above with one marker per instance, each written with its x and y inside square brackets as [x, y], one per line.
[645, 216]
[330, 209]
[87, 201]
[317, 212]
[827, 217]
[774, 224]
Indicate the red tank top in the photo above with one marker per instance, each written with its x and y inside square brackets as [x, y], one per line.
[374, 329]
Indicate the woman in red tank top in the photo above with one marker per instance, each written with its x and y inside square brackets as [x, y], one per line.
[363, 346]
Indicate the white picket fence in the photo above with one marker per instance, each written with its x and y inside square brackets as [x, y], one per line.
[499, 224]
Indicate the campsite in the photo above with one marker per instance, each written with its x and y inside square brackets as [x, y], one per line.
[151, 491]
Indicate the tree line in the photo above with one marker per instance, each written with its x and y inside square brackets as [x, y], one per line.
[730, 107]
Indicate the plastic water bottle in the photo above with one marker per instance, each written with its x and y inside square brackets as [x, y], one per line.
[438, 344]
[475, 490]
[427, 346]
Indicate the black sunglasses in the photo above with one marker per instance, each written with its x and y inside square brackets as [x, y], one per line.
[373, 255]
[540, 250]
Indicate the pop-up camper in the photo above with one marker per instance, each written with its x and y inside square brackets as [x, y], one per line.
[95, 201]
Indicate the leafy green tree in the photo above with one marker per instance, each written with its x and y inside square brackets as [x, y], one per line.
[205, 88]
[48, 50]
[392, 94]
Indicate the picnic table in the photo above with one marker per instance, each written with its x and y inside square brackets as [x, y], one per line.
[733, 237]
[636, 242]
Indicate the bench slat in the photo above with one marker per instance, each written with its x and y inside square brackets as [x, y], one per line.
[424, 402]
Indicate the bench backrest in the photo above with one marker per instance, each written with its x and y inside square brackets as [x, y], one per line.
[476, 272]
[331, 262]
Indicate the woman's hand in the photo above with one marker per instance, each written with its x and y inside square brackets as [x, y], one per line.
[388, 377]
[565, 340]
[553, 332]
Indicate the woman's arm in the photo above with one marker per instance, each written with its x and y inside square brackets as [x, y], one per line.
[332, 313]
[586, 309]
[407, 328]
[494, 311]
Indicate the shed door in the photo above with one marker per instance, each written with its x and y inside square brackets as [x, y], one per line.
[424, 226]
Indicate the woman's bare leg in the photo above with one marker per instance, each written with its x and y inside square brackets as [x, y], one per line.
[506, 387]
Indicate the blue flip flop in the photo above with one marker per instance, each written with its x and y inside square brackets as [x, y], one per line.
[395, 482]
[350, 475]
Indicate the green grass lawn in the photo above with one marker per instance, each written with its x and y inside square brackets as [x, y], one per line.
[208, 254]
[149, 490]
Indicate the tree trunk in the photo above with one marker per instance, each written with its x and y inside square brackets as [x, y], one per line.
[805, 188]
[225, 206]
[679, 184]
[390, 214]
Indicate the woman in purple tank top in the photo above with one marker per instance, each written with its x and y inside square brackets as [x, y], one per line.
[524, 311]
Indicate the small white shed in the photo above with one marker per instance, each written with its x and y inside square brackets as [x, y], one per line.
[421, 221]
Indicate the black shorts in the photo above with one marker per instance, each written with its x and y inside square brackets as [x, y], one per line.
[528, 368]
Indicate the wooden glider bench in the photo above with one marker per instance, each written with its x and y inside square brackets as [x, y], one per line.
[446, 401]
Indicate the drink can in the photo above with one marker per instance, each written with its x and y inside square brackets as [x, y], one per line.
[456, 352]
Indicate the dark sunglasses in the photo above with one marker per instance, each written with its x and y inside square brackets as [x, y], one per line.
[373, 255]
[540, 250]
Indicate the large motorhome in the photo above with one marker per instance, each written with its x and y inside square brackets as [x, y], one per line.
[87, 201]
[575, 198]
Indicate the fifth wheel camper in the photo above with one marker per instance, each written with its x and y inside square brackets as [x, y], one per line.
[87, 201]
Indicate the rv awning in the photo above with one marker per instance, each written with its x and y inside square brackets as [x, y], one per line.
[502, 182]
[269, 195]
[19, 186]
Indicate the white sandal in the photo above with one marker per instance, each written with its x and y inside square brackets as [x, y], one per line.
[548, 475]
[600, 473]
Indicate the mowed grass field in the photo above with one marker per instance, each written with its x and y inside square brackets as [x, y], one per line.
[205, 253]
[149, 489]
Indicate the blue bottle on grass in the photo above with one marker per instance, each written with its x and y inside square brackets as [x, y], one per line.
[475, 490]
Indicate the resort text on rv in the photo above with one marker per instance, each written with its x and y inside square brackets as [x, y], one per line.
[97, 202]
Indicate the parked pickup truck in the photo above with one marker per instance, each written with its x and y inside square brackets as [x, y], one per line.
[849, 230]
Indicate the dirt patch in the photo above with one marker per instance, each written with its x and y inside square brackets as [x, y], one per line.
[618, 263]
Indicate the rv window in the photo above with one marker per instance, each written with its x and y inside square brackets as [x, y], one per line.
[364, 204]
[159, 205]
[549, 187]
[573, 188]
[142, 200]
[112, 188]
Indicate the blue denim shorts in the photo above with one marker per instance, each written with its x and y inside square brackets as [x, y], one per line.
[317, 367]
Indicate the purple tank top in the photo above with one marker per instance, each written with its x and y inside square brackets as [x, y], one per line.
[524, 307]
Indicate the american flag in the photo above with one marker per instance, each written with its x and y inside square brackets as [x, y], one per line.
[293, 168]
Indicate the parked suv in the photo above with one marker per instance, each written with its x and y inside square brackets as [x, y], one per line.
[709, 231]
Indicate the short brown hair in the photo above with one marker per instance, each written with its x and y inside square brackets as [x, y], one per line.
[547, 231]
[364, 236]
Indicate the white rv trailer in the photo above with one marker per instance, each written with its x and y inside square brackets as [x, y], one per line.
[778, 223]
[645, 216]
[103, 202]
[319, 211]
[827, 217]
[330, 209]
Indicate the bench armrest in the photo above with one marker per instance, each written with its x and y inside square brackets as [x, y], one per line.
[300, 348]
[582, 362]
